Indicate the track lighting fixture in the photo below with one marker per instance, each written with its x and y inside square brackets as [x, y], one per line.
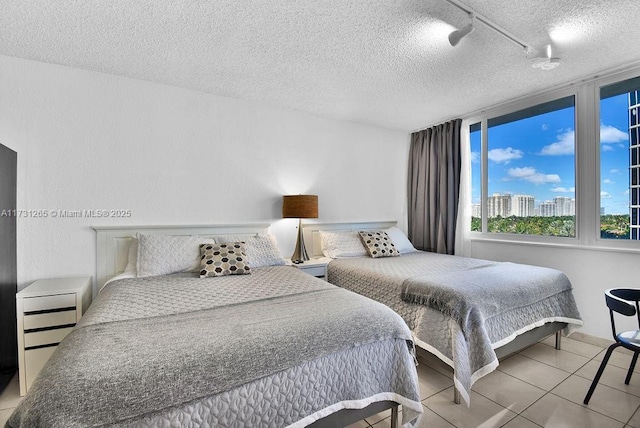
[457, 35]
[538, 58]
[542, 59]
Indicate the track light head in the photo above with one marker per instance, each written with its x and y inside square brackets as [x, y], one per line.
[457, 35]
[542, 58]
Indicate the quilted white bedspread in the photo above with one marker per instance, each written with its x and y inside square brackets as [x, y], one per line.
[471, 355]
[236, 351]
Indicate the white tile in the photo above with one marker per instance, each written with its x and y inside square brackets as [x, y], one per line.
[482, 413]
[620, 359]
[359, 424]
[508, 391]
[635, 420]
[10, 397]
[612, 376]
[520, 422]
[4, 416]
[574, 346]
[591, 340]
[429, 420]
[436, 363]
[533, 372]
[552, 411]
[562, 360]
[606, 400]
[431, 381]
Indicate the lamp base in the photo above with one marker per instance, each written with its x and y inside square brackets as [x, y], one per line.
[300, 253]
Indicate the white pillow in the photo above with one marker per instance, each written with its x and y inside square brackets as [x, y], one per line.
[342, 244]
[400, 240]
[166, 254]
[261, 250]
[132, 262]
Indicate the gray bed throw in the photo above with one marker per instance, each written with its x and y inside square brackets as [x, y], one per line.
[471, 296]
[116, 372]
[465, 307]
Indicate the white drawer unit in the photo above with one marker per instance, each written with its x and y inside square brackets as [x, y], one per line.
[47, 311]
[314, 267]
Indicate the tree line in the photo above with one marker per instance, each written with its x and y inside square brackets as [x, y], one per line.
[611, 226]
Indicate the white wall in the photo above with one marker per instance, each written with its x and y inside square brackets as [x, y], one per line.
[88, 140]
[590, 271]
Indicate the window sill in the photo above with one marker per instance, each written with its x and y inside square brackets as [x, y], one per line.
[631, 247]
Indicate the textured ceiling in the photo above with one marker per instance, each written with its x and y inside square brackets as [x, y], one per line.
[381, 62]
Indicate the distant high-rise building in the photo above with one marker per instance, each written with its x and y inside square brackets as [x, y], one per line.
[634, 164]
[547, 209]
[499, 205]
[522, 205]
[565, 206]
[476, 210]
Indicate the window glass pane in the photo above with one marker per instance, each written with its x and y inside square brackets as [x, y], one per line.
[531, 170]
[475, 136]
[619, 160]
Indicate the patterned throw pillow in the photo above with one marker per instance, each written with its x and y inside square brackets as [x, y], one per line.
[261, 250]
[378, 244]
[223, 259]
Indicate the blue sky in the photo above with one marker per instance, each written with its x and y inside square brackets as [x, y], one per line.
[535, 156]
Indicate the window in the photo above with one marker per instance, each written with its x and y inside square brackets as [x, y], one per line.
[563, 169]
[530, 170]
[619, 160]
[475, 135]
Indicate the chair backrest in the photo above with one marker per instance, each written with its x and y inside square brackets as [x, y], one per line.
[618, 301]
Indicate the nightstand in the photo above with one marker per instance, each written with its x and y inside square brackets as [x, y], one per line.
[47, 311]
[314, 267]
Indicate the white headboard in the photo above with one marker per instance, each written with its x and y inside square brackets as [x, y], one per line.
[312, 237]
[113, 242]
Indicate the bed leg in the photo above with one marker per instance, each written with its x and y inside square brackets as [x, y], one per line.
[394, 417]
[558, 340]
[456, 395]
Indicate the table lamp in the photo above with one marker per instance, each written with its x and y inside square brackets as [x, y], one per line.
[300, 206]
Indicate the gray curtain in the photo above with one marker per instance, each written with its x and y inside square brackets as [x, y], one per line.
[434, 187]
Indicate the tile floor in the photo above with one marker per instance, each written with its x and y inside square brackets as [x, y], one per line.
[539, 386]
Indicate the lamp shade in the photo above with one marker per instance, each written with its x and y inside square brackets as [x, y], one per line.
[300, 206]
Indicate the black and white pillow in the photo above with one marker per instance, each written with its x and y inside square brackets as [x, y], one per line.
[223, 259]
[378, 244]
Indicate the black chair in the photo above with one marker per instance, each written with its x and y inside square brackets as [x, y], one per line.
[618, 301]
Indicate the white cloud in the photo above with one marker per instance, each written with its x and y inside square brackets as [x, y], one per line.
[607, 148]
[475, 157]
[607, 181]
[614, 171]
[611, 134]
[531, 175]
[564, 190]
[545, 126]
[504, 155]
[605, 195]
[564, 145]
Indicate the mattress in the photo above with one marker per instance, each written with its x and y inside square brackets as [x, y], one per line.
[471, 356]
[274, 348]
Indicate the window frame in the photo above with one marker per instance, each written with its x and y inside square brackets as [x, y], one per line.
[600, 242]
[586, 93]
[483, 119]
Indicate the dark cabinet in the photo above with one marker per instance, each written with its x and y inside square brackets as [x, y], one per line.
[8, 269]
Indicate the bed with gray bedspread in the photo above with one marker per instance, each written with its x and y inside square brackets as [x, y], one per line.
[274, 348]
[461, 309]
